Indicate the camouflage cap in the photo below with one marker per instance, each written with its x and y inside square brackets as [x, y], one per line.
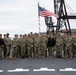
[16, 35]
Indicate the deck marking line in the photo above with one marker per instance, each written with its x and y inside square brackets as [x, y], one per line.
[67, 69]
[43, 69]
[18, 70]
[1, 70]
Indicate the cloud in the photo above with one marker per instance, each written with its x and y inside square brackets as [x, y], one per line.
[21, 16]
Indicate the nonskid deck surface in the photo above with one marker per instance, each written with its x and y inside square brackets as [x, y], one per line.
[46, 66]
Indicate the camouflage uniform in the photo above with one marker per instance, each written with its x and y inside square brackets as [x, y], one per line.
[74, 45]
[20, 45]
[5, 50]
[37, 46]
[59, 46]
[64, 50]
[30, 45]
[68, 47]
[8, 45]
[43, 45]
[23, 47]
[15, 46]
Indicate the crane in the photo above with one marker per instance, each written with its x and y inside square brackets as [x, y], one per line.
[63, 20]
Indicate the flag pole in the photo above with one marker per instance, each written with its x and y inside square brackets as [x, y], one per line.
[38, 19]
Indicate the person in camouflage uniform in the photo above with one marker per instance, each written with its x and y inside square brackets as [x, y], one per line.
[8, 45]
[5, 50]
[43, 45]
[68, 46]
[33, 36]
[64, 50]
[20, 44]
[74, 44]
[23, 47]
[37, 46]
[59, 46]
[30, 45]
[15, 46]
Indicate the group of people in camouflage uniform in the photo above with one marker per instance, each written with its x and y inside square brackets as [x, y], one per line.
[37, 46]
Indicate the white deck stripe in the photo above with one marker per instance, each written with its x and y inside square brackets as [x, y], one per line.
[67, 69]
[43, 69]
[18, 70]
[1, 70]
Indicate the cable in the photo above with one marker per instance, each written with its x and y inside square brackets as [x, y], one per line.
[69, 6]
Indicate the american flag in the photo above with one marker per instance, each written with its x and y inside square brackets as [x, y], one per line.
[44, 12]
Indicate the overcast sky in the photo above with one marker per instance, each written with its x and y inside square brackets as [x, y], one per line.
[21, 16]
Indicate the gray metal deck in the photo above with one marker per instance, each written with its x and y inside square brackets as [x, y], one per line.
[43, 65]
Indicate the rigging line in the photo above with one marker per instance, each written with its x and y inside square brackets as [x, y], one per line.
[69, 6]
